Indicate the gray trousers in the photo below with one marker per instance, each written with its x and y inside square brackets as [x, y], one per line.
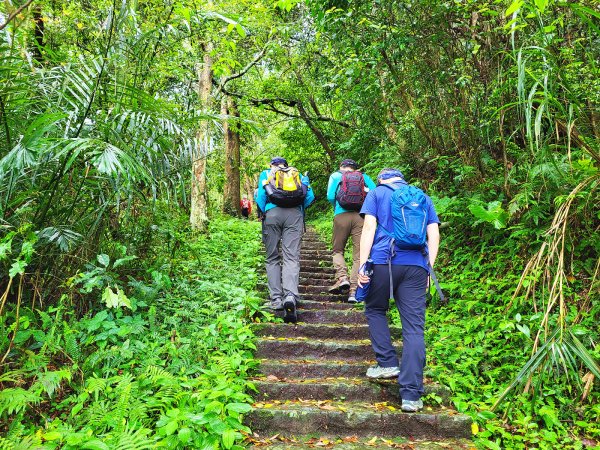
[285, 225]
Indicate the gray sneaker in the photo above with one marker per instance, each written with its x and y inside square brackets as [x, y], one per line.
[383, 372]
[276, 304]
[412, 405]
[352, 299]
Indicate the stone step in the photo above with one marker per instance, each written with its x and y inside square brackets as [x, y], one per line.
[312, 289]
[308, 277]
[325, 297]
[282, 348]
[317, 282]
[326, 315]
[315, 264]
[332, 316]
[320, 253]
[317, 304]
[313, 368]
[282, 442]
[317, 331]
[363, 420]
[342, 389]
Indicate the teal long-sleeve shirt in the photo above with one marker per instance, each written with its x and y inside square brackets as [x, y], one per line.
[261, 195]
[334, 181]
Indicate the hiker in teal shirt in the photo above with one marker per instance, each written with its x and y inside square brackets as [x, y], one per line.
[347, 222]
[283, 224]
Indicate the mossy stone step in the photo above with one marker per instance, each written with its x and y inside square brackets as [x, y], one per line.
[362, 420]
[316, 270]
[321, 287]
[354, 443]
[347, 389]
[309, 277]
[318, 330]
[318, 304]
[283, 348]
[344, 316]
[314, 368]
[324, 297]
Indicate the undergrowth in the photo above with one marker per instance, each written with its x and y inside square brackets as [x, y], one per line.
[160, 358]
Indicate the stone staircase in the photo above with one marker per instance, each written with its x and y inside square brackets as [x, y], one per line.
[312, 391]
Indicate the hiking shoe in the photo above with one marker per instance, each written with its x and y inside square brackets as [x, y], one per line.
[352, 299]
[289, 306]
[412, 405]
[383, 372]
[341, 285]
[276, 304]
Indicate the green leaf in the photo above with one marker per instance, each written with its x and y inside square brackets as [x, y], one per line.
[95, 445]
[184, 434]
[115, 299]
[5, 249]
[229, 438]
[52, 436]
[240, 30]
[513, 7]
[17, 268]
[170, 427]
[103, 259]
[241, 408]
[541, 5]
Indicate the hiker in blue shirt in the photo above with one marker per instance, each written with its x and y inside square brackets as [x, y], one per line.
[347, 221]
[409, 272]
[285, 224]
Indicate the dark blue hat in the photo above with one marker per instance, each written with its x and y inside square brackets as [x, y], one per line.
[349, 163]
[278, 160]
[388, 173]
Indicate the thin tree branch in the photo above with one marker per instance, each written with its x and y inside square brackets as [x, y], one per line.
[15, 14]
[245, 70]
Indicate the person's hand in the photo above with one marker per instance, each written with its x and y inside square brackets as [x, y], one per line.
[363, 279]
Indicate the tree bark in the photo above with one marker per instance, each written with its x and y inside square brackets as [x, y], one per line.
[231, 190]
[199, 198]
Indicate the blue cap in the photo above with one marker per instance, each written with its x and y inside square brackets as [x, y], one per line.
[388, 173]
[278, 160]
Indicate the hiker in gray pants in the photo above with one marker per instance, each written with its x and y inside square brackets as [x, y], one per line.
[285, 225]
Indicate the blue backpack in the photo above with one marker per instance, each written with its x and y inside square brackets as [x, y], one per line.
[409, 214]
[410, 217]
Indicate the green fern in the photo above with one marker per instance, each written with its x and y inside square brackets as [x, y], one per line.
[71, 346]
[134, 439]
[15, 400]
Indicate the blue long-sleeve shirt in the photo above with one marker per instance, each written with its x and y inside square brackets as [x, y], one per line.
[263, 202]
[334, 181]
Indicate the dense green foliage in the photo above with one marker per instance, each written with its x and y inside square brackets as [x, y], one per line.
[162, 359]
[118, 326]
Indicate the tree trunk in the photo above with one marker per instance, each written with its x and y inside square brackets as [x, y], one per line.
[231, 190]
[38, 33]
[198, 198]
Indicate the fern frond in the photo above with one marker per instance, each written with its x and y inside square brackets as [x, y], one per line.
[14, 400]
[135, 439]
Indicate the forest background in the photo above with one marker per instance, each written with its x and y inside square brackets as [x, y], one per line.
[129, 129]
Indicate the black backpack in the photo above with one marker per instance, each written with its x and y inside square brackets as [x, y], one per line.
[351, 191]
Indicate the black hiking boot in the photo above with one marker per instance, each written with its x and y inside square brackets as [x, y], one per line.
[289, 308]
